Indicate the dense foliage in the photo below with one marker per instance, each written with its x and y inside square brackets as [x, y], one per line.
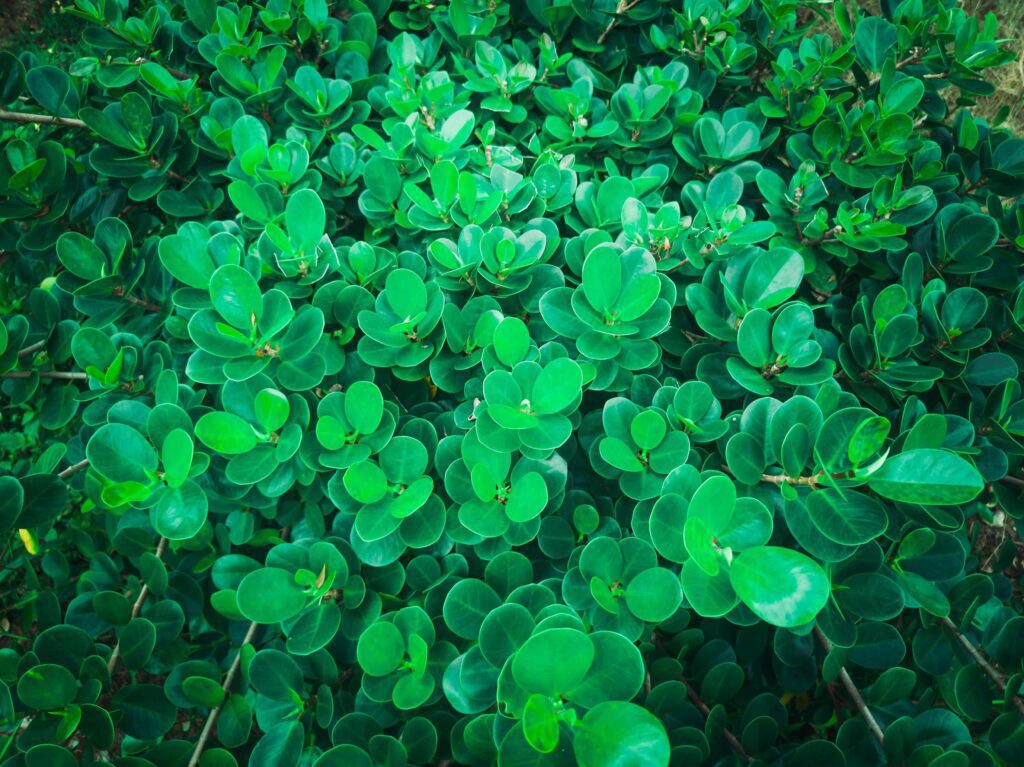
[539, 383]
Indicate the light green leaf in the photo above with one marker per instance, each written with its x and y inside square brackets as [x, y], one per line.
[927, 476]
[781, 586]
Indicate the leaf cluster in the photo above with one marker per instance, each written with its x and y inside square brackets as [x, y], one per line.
[542, 382]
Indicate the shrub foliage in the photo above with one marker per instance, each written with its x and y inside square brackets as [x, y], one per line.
[541, 383]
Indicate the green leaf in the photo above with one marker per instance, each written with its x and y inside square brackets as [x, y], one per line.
[750, 525]
[553, 662]
[773, 278]
[712, 596]
[929, 477]
[868, 439]
[204, 691]
[713, 503]
[527, 498]
[846, 516]
[466, 606]
[366, 482]
[314, 629]
[305, 220]
[179, 256]
[145, 711]
[511, 340]
[176, 456]
[137, 642]
[364, 406]
[280, 746]
[47, 686]
[699, 541]
[616, 733]
[272, 409]
[654, 595]
[557, 386]
[181, 512]
[781, 586]
[236, 297]
[270, 595]
[380, 649]
[121, 454]
[892, 685]
[81, 257]
[618, 671]
[406, 293]
[619, 454]
[226, 433]
[648, 429]
[874, 38]
[602, 279]
[540, 723]
[12, 496]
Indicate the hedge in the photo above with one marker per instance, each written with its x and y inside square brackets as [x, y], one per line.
[617, 383]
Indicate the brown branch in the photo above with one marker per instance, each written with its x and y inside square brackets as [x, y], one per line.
[622, 7]
[905, 63]
[136, 608]
[985, 666]
[30, 118]
[680, 265]
[177, 74]
[726, 732]
[33, 348]
[824, 238]
[853, 692]
[211, 720]
[73, 469]
[982, 181]
[1013, 480]
[148, 306]
[782, 479]
[62, 375]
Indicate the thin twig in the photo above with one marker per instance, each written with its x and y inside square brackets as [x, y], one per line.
[30, 118]
[63, 375]
[1013, 480]
[22, 725]
[136, 608]
[33, 348]
[622, 7]
[148, 306]
[823, 238]
[782, 479]
[853, 692]
[726, 732]
[211, 720]
[900, 65]
[73, 469]
[680, 265]
[982, 181]
[177, 74]
[985, 666]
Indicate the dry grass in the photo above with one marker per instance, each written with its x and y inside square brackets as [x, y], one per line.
[1009, 80]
